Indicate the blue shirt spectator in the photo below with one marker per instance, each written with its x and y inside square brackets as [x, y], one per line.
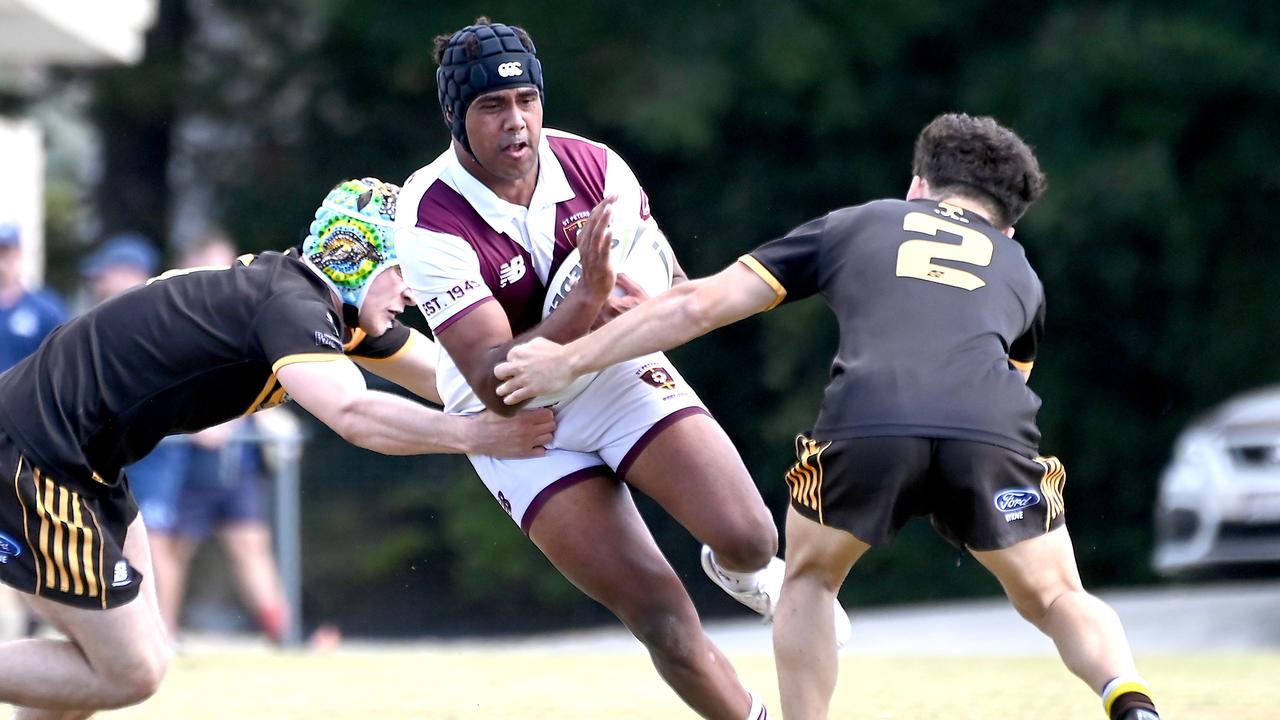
[26, 316]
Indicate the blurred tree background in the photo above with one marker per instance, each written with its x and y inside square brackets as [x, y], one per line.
[744, 119]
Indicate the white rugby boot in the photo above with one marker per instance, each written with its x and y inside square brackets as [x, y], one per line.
[764, 597]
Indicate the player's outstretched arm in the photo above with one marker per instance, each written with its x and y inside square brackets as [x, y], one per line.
[673, 318]
[335, 392]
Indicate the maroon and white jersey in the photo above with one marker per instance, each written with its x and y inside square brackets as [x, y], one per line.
[462, 245]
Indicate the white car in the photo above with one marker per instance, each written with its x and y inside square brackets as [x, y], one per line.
[1219, 498]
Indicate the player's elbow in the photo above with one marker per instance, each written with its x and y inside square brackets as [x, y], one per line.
[353, 424]
[695, 308]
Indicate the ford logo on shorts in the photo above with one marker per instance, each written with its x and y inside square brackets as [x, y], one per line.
[8, 548]
[1016, 499]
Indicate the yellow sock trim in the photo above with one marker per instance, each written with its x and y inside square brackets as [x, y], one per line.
[1120, 688]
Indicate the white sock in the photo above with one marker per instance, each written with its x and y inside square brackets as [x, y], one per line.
[757, 711]
[734, 580]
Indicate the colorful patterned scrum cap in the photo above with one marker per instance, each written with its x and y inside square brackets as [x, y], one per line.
[353, 236]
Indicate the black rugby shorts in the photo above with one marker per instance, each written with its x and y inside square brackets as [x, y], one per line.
[978, 495]
[61, 540]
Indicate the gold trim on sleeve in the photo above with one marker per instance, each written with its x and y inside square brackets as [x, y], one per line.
[414, 337]
[759, 269]
[304, 357]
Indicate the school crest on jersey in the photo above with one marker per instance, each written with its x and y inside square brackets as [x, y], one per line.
[658, 377]
[572, 225]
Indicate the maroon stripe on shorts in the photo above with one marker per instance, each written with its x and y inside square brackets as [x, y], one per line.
[652, 433]
[567, 481]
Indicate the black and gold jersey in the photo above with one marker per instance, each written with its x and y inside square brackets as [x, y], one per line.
[188, 350]
[937, 309]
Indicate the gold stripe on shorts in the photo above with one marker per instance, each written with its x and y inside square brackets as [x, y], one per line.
[805, 477]
[70, 566]
[87, 549]
[1052, 484]
[43, 545]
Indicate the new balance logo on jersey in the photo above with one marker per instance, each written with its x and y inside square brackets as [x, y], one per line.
[120, 576]
[511, 271]
[510, 69]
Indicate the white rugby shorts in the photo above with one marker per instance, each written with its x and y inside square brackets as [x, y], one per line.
[604, 428]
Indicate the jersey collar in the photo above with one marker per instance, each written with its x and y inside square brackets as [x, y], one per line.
[553, 187]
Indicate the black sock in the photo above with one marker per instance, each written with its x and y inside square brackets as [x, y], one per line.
[1130, 701]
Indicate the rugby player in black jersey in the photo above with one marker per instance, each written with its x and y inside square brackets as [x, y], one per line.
[191, 349]
[927, 412]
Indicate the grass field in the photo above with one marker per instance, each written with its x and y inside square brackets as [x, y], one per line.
[442, 683]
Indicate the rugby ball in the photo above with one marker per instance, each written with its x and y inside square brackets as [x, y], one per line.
[647, 260]
[645, 257]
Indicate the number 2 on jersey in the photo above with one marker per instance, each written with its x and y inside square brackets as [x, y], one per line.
[916, 257]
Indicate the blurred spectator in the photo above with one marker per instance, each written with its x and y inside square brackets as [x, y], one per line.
[26, 317]
[220, 490]
[122, 262]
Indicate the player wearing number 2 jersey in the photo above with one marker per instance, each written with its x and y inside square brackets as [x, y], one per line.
[927, 412]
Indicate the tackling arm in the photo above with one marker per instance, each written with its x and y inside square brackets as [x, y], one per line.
[335, 392]
[684, 312]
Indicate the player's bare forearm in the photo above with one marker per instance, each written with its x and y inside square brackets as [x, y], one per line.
[569, 322]
[673, 318]
[335, 392]
[393, 425]
[668, 320]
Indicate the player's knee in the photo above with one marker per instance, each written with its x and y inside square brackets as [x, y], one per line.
[1035, 607]
[671, 639]
[750, 548]
[139, 677]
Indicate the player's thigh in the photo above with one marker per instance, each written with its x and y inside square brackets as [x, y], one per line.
[1034, 572]
[692, 470]
[595, 537]
[127, 635]
[821, 553]
[106, 636]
